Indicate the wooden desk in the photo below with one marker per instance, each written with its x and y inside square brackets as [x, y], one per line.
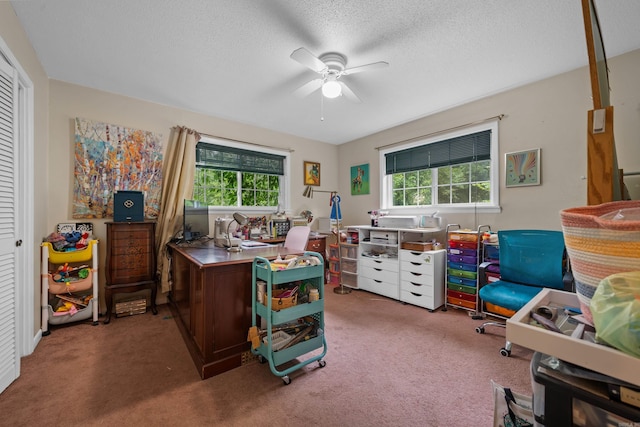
[211, 302]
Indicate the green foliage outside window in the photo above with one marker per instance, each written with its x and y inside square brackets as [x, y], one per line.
[456, 184]
[215, 187]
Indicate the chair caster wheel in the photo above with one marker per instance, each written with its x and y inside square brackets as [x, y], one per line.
[504, 352]
[322, 363]
[261, 359]
[286, 380]
[480, 330]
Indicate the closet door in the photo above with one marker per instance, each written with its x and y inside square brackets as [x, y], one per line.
[9, 352]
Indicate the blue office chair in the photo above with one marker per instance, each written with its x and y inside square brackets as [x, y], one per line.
[529, 261]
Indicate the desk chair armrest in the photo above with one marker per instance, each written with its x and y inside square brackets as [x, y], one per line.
[569, 283]
[482, 277]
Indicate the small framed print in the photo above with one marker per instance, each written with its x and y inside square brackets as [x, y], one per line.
[311, 173]
[360, 179]
[522, 168]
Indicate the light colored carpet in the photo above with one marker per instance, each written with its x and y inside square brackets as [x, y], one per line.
[388, 364]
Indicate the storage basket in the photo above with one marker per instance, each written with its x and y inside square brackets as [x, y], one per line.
[80, 255]
[599, 245]
[278, 304]
[278, 340]
[75, 285]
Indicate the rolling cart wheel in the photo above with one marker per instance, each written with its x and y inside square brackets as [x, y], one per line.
[480, 330]
[261, 359]
[286, 380]
[322, 363]
[504, 352]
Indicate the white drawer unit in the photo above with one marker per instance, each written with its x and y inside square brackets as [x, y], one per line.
[379, 276]
[410, 275]
[422, 278]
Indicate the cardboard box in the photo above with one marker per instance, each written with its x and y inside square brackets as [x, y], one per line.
[129, 308]
[417, 246]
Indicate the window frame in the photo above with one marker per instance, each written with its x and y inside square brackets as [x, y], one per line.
[386, 196]
[285, 181]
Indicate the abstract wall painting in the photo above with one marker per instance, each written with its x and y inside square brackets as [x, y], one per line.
[109, 158]
[522, 168]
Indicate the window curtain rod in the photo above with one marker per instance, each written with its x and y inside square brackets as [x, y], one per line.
[417, 138]
[290, 150]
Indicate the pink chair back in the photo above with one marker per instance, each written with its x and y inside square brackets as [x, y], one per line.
[297, 238]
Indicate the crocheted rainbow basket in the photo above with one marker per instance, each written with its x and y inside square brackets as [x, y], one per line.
[601, 240]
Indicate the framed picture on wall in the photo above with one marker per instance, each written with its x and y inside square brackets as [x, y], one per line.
[360, 179]
[522, 168]
[311, 173]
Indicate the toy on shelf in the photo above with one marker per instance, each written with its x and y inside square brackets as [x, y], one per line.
[69, 279]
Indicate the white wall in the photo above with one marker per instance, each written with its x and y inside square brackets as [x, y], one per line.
[69, 101]
[551, 115]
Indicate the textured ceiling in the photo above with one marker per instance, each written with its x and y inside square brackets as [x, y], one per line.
[230, 59]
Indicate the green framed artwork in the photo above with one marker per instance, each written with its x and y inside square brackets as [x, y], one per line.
[522, 168]
[360, 179]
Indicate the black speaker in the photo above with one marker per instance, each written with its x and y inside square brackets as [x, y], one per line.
[128, 206]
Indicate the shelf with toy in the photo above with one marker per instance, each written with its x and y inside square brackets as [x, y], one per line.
[69, 279]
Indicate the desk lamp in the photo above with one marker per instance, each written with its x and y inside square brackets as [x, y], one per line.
[242, 220]
[335, 214]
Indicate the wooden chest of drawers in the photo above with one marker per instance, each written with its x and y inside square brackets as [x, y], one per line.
[130, 261]
[318, 244]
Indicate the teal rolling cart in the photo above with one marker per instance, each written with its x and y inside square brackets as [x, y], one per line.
[288, 333]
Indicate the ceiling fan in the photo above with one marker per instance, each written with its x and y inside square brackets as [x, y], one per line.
[331, 67]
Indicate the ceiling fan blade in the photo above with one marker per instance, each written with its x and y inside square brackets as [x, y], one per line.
[308, 88]
[348, 93]
[361, 68]
[307, 59]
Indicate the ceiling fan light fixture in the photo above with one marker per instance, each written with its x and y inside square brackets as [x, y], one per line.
[331, 89]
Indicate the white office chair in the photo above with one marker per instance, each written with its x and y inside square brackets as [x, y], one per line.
[297, 238]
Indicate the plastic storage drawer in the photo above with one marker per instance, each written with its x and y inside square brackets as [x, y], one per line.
[461, 302]
[464, 267]
[462, 288]
[349, 265]
[463, 259]
[461, 295]
[349, 279]
[491, 251]
[463, 252]
[464, 236]
[462, 281]
[462, 273]
[457, 244]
